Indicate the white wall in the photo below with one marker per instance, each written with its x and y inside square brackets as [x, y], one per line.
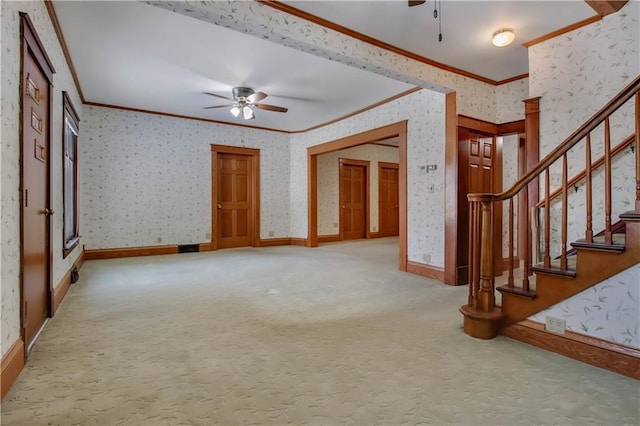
[10, 157]
[147, 179]
[329, 183]
[509, 97]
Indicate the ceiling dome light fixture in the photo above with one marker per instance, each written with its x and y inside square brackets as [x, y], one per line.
[502, 38]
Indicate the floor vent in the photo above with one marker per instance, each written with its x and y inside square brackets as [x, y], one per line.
[188, 248]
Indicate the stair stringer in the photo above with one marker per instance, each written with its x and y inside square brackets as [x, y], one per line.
[593, 267]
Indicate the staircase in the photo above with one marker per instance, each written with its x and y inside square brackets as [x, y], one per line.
[529, 286]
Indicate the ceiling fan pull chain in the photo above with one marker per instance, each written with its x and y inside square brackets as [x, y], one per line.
[440, 22]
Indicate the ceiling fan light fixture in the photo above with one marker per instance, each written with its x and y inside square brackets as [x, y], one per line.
[235, 111]
[247, 113]
[502, 38]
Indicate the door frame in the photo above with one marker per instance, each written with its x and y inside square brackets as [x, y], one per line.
[255, 185]
[399, 130]
[385, 165]
[367, 197]
[30, 42]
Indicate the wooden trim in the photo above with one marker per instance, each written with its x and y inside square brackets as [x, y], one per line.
[367, 192]
[477, 125]
[271, 242]
[80, 260]
[360, 111]
[506, 263]
[378, 235]
[329, 238]
[451, 191]
[60, 291]
[383, 144]
[590, 350]
[255, 205]
[206, 247]
[386, 165]
[370, 40]
[582, 175]
[113, 253]
[68, 109]
[512, 79]
[428, 271]
[12, 364]
[298, 242]
[290, 132]
[63, 44]
[398, 129]
[606, 7]
[186, 117]
[30, 36]
[561, 31]
[510, 128]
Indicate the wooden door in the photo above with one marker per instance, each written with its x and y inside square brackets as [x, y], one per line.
[36, 292]
[388, 199]
[476, 174]
[234, 203]
[353, 201]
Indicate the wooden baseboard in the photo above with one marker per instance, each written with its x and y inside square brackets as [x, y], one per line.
[298, 241]
[374, 235]
[60, 291]
[329, 238]
[12, 364]
[429, 271]
[112, 253]
[206, 247]
[590, 350]
[272, 242]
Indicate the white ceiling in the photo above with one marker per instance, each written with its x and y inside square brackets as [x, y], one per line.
[140, 56]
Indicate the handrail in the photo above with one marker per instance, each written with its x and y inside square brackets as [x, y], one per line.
[572, 140]
[583, 174]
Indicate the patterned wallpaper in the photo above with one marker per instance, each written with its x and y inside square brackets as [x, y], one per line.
[424, 111]
[509, 99]
[10, 147]
[609, 310]
[576, 74]
[509, 177]
[148, 178]
[329, 188]
[474, 98]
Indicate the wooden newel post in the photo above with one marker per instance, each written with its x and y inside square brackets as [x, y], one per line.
[481, 316]
[486, 293]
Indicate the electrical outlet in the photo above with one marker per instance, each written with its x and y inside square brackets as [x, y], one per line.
[271, 233]
[375, 229]
[159, 240]
[335, 224]
[555, 325]
[208, 236]
[430, 188]
[426, 258]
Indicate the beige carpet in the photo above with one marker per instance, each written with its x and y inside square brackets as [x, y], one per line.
[289, 335]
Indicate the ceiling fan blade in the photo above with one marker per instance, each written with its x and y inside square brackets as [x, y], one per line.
[416, 2]
[217, 96]
[271, 108]
[218, 106]
[256, 97]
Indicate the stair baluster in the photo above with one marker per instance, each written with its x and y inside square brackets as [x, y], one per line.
[608, 238]
[589, 203]
[510, 278]
[565, 211]
[637, 151]
[547, 221]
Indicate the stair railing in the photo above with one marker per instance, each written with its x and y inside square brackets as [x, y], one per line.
[481, 314]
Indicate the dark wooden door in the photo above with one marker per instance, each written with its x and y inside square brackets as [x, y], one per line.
[475, 175]
[35, 200]
[234, 198]
[388, 200]
[353, 198]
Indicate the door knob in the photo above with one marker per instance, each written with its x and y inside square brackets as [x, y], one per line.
[48, 212]
[219, 205]
[344, 207]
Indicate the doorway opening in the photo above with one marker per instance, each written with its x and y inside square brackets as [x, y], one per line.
[398, 132]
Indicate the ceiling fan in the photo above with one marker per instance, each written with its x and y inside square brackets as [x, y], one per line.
[244, 99]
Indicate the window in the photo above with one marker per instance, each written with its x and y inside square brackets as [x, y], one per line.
[70, 175]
